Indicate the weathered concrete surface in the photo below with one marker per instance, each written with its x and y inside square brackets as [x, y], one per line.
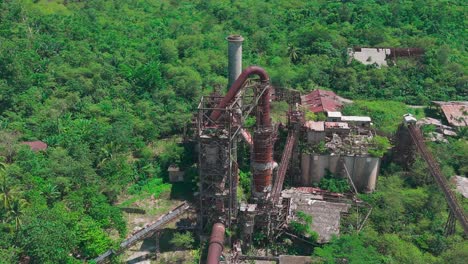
[326, 215]
[284, 259]
[462, 185]
[363, 170]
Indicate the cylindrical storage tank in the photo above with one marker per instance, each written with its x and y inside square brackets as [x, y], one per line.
[234, 57]
[360, 177]
[317, 167]
[349, 162]
[371, 170]
[334, 164]
[305, 164]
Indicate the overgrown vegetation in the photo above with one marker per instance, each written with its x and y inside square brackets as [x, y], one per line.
[106, 83]
[183, 240]
[379, 146]
[319, 148]
[302, 226]
[386, 115]
[311, 116]
[334, 184]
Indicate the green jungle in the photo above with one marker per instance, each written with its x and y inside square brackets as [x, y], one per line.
[112, 86]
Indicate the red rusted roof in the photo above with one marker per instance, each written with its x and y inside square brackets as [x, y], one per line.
[455, 112]
[321, 101]
[336, 125]
[36, 145]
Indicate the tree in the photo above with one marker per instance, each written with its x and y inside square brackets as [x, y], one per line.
[8, 145]
[293, 52]
[183, 240]
[16, 211]
[302, 226]
[379, 146]
[7, 192]
[92, 240]
[349, 247]
[46, 238]
[51, 193]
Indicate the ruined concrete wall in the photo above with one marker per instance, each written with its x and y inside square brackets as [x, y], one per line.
[363, 170]
[315, 136]
[370, 55]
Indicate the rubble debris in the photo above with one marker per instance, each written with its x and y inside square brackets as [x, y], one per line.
[380, 56]
[462, 185]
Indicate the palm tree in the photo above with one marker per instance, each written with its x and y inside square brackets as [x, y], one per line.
[293, 52]
[16, 211]
[5, 191]
[51, 193]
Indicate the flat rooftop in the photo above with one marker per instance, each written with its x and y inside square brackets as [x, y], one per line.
[326, 215]
[356, 119]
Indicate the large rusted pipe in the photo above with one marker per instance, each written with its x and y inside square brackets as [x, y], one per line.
[237, 86]
[216, 243]
[262, 160]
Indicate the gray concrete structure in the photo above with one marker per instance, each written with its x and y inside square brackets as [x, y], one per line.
[235, 57]
[370, 55]
[326, 214]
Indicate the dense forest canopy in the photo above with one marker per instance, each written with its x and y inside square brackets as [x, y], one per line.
[102, 82]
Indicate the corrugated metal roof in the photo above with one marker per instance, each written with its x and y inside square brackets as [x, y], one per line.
[455, 112]
[36, 145]
[321, 101]
[356, 119]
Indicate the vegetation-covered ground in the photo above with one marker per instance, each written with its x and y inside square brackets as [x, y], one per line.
[103, 82]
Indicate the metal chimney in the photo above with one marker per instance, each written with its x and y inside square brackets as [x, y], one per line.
[235, 57]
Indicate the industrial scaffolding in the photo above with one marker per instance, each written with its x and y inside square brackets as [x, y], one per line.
[217, 165]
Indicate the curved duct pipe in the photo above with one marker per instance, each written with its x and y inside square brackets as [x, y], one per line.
[237, 86]
[262, 163]
[262, 160]
[216, 243]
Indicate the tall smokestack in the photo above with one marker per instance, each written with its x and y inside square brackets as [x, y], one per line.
[235, 57]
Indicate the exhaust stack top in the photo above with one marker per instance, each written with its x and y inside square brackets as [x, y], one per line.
[234, 57]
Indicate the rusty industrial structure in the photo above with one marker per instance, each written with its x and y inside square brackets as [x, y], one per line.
[220, 126]
[345, 143]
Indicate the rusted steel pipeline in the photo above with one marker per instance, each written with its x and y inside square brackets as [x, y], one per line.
[263, 163]
[216, 243]
[262, 160]
[237, 86]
